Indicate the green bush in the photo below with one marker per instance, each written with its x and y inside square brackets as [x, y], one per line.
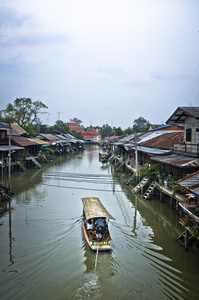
[48, 151]
[152, 171]
[179, 189]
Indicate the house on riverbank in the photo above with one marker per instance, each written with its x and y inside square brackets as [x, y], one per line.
[26, 151]
[176, 149]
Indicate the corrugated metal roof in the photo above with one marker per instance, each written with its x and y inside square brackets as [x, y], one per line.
[181, 113]
[22, 141]
[38, 141]
[48, 136]
[191, 182]
[126, 139]
[177, 160]
[4, 125]
[18, 129]
[165, 141]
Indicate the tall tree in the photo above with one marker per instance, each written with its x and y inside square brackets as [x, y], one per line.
[61, 126]
[118, 131]
[106, 130]
[128, 131]
[141, 125]
[24, 111]
[75, 120]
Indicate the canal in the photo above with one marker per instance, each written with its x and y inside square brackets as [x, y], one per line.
[43, 254]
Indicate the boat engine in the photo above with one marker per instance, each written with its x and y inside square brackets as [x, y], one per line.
[99, 232]
[99, 236]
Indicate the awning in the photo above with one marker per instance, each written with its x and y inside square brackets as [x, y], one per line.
[93, 208]
[5, 148]
[148, 150]
[191, 182]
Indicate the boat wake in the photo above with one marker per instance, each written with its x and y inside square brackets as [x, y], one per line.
[90, 288]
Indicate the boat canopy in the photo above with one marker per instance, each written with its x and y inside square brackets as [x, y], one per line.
[191, 196]
[93, 208]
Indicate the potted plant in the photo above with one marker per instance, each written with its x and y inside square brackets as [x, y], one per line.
[186, 221]
[195, 230]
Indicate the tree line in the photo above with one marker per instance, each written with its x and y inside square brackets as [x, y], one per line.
[25, 112]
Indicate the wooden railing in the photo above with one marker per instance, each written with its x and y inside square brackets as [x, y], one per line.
[186, 148]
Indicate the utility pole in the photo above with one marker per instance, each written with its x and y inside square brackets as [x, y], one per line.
[136, 155]
[9, 159]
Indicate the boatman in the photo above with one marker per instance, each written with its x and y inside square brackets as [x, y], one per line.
[101, 223]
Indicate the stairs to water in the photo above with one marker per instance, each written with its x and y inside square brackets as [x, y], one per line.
[150, 190]
[140, 185]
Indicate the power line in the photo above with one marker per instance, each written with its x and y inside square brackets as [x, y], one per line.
[79, 188]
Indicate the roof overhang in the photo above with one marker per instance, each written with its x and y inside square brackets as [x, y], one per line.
[179, 161]
[180, 115]
[5, 148]
[191, 182]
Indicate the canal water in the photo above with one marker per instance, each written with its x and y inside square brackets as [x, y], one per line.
[43, 254]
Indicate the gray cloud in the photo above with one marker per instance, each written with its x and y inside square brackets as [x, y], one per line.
[10, 18]
[33, 40]
[80, 58]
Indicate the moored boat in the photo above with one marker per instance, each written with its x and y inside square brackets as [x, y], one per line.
[95, 225]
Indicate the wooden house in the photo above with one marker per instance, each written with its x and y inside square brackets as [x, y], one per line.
[189, 118]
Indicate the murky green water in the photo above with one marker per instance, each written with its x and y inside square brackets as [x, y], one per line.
[43, 254]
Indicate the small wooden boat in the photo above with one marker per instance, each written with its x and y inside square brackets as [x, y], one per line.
[104, 155]
[97, 235]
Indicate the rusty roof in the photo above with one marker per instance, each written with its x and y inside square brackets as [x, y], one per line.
[38, 141]
[22, 141]
[180, 161]
[164, 141]
[191, 182]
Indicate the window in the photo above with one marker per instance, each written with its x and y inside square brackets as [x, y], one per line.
[197, 135]
[188, 134]
[3, 134]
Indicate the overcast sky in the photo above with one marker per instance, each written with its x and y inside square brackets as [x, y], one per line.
[103, 62]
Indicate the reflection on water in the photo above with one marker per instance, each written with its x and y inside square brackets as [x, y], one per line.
[44, 254]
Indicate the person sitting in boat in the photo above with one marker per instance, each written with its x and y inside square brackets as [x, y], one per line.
[90, 224]
[101, 225]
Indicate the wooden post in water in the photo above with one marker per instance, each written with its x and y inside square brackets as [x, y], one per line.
[171, 202]
[187, 239]
[160, 196]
